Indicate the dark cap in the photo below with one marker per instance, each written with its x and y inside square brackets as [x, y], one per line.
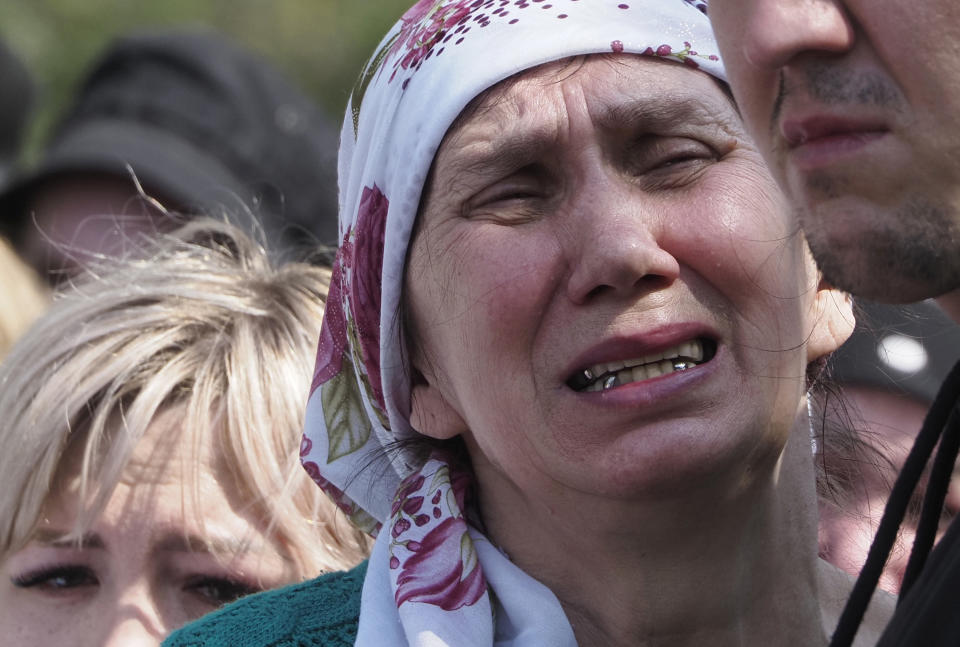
[905, 348]
[16, 99]
[205, 125]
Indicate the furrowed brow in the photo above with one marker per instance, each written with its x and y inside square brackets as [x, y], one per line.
[507, 151]
[661, 113]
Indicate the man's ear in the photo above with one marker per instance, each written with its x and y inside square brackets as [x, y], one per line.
[430, 412]
[833, 321]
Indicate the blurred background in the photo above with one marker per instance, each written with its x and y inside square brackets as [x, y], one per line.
[319, 44]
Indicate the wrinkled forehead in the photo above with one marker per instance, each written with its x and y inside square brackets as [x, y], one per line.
[619, 91]
[442, 54]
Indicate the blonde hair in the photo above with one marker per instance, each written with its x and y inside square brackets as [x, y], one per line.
[207, 322]
[23, 297]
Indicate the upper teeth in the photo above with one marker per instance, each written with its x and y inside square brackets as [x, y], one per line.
[679, 357]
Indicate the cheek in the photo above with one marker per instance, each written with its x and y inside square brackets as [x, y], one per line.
[28, 620]
[479, 309]
[744, 245]
[747, 255]
[486, 294]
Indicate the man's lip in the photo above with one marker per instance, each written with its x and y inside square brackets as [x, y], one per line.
[800, 131]
[822, 141]
[628, 347]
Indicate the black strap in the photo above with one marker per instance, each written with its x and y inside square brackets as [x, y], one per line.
[893, 514]
[937, 488]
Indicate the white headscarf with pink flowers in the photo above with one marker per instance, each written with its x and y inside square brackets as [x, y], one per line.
[434, 578]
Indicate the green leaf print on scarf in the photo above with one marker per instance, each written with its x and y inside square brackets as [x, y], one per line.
[373, 66]
[348, 427]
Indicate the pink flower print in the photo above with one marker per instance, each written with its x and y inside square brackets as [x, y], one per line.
[412, 505]
[461, 482]
[305, 446]
[366, 280]
[442, 570]
[332, 491]
[333, 331]
[685, 55]
[313, 470]
[418, 12]
[424, 25]
[411, 485]
[401, 526]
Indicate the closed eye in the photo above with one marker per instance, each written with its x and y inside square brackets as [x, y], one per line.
[668, 162]
[508, 191]
[519, 197]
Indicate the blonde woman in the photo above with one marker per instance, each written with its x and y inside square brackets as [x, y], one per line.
[148, 447]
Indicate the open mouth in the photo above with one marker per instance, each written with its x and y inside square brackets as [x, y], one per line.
[608, 375]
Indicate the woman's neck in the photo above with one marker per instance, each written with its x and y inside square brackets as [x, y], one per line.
[699, 569]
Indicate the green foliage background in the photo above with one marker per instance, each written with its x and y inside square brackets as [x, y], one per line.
[319, 44]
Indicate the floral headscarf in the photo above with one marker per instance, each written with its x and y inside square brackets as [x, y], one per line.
[433, 578]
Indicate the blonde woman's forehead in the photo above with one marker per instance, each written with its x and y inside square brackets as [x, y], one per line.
[168, 452]
[174, 486]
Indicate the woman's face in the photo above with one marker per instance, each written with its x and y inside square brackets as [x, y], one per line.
[605, 293]
[147, 565]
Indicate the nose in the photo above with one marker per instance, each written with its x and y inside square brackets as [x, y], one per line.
[614, 248]
[134, 621]
[776, 31]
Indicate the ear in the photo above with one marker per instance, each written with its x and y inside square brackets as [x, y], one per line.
[833, 321]
[430, 412]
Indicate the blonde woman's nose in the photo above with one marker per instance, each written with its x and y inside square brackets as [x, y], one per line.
[134, 621]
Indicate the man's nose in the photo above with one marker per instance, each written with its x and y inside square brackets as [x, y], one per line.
[775, 32]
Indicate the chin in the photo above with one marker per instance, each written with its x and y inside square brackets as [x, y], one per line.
[681, 467]
[897, 253]
[848, 263]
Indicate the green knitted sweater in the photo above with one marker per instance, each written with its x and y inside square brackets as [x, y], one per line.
[323, 611]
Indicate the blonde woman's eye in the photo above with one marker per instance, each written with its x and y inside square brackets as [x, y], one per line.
[218, 591]
[56, 579]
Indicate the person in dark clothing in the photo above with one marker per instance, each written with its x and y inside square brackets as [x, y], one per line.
[175, 122]
[16, 88]
[861, 131]
[888, 374]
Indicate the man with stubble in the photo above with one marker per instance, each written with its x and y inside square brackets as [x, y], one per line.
[855, 105]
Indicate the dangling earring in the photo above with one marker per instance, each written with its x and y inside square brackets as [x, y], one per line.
[813, 432]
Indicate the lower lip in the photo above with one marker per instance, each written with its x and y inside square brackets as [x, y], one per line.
[657, 389]
[824, 151]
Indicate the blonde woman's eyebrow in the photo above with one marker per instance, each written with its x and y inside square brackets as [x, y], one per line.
[59, 538]
[179, 542]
